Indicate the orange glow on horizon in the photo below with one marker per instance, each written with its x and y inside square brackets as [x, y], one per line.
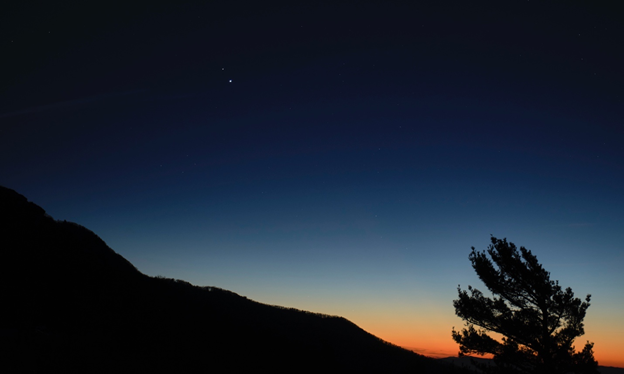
[425, 326]
[440, 346]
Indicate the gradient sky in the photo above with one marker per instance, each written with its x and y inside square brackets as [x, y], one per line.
[335, 158]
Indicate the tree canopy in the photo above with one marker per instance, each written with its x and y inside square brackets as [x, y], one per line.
[537, 319]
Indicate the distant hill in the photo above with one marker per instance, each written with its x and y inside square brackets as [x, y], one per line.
[466, 362]
[71, 304]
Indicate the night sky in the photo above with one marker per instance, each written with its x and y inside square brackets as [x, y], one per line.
[340, 158]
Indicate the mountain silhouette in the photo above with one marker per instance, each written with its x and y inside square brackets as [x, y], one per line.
[71, 304]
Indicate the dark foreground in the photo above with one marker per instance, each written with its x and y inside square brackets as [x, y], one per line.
[71, 304]
[467, 362]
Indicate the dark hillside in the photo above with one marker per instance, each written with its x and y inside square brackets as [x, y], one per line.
[71, 304]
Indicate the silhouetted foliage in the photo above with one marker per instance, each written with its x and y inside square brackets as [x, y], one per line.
[537, 318]
[70, 304]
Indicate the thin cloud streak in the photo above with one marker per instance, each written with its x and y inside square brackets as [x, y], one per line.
[68, 103]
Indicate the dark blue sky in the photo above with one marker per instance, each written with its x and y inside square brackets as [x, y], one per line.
[339, 158]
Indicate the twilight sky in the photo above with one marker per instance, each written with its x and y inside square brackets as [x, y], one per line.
[335, 158]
